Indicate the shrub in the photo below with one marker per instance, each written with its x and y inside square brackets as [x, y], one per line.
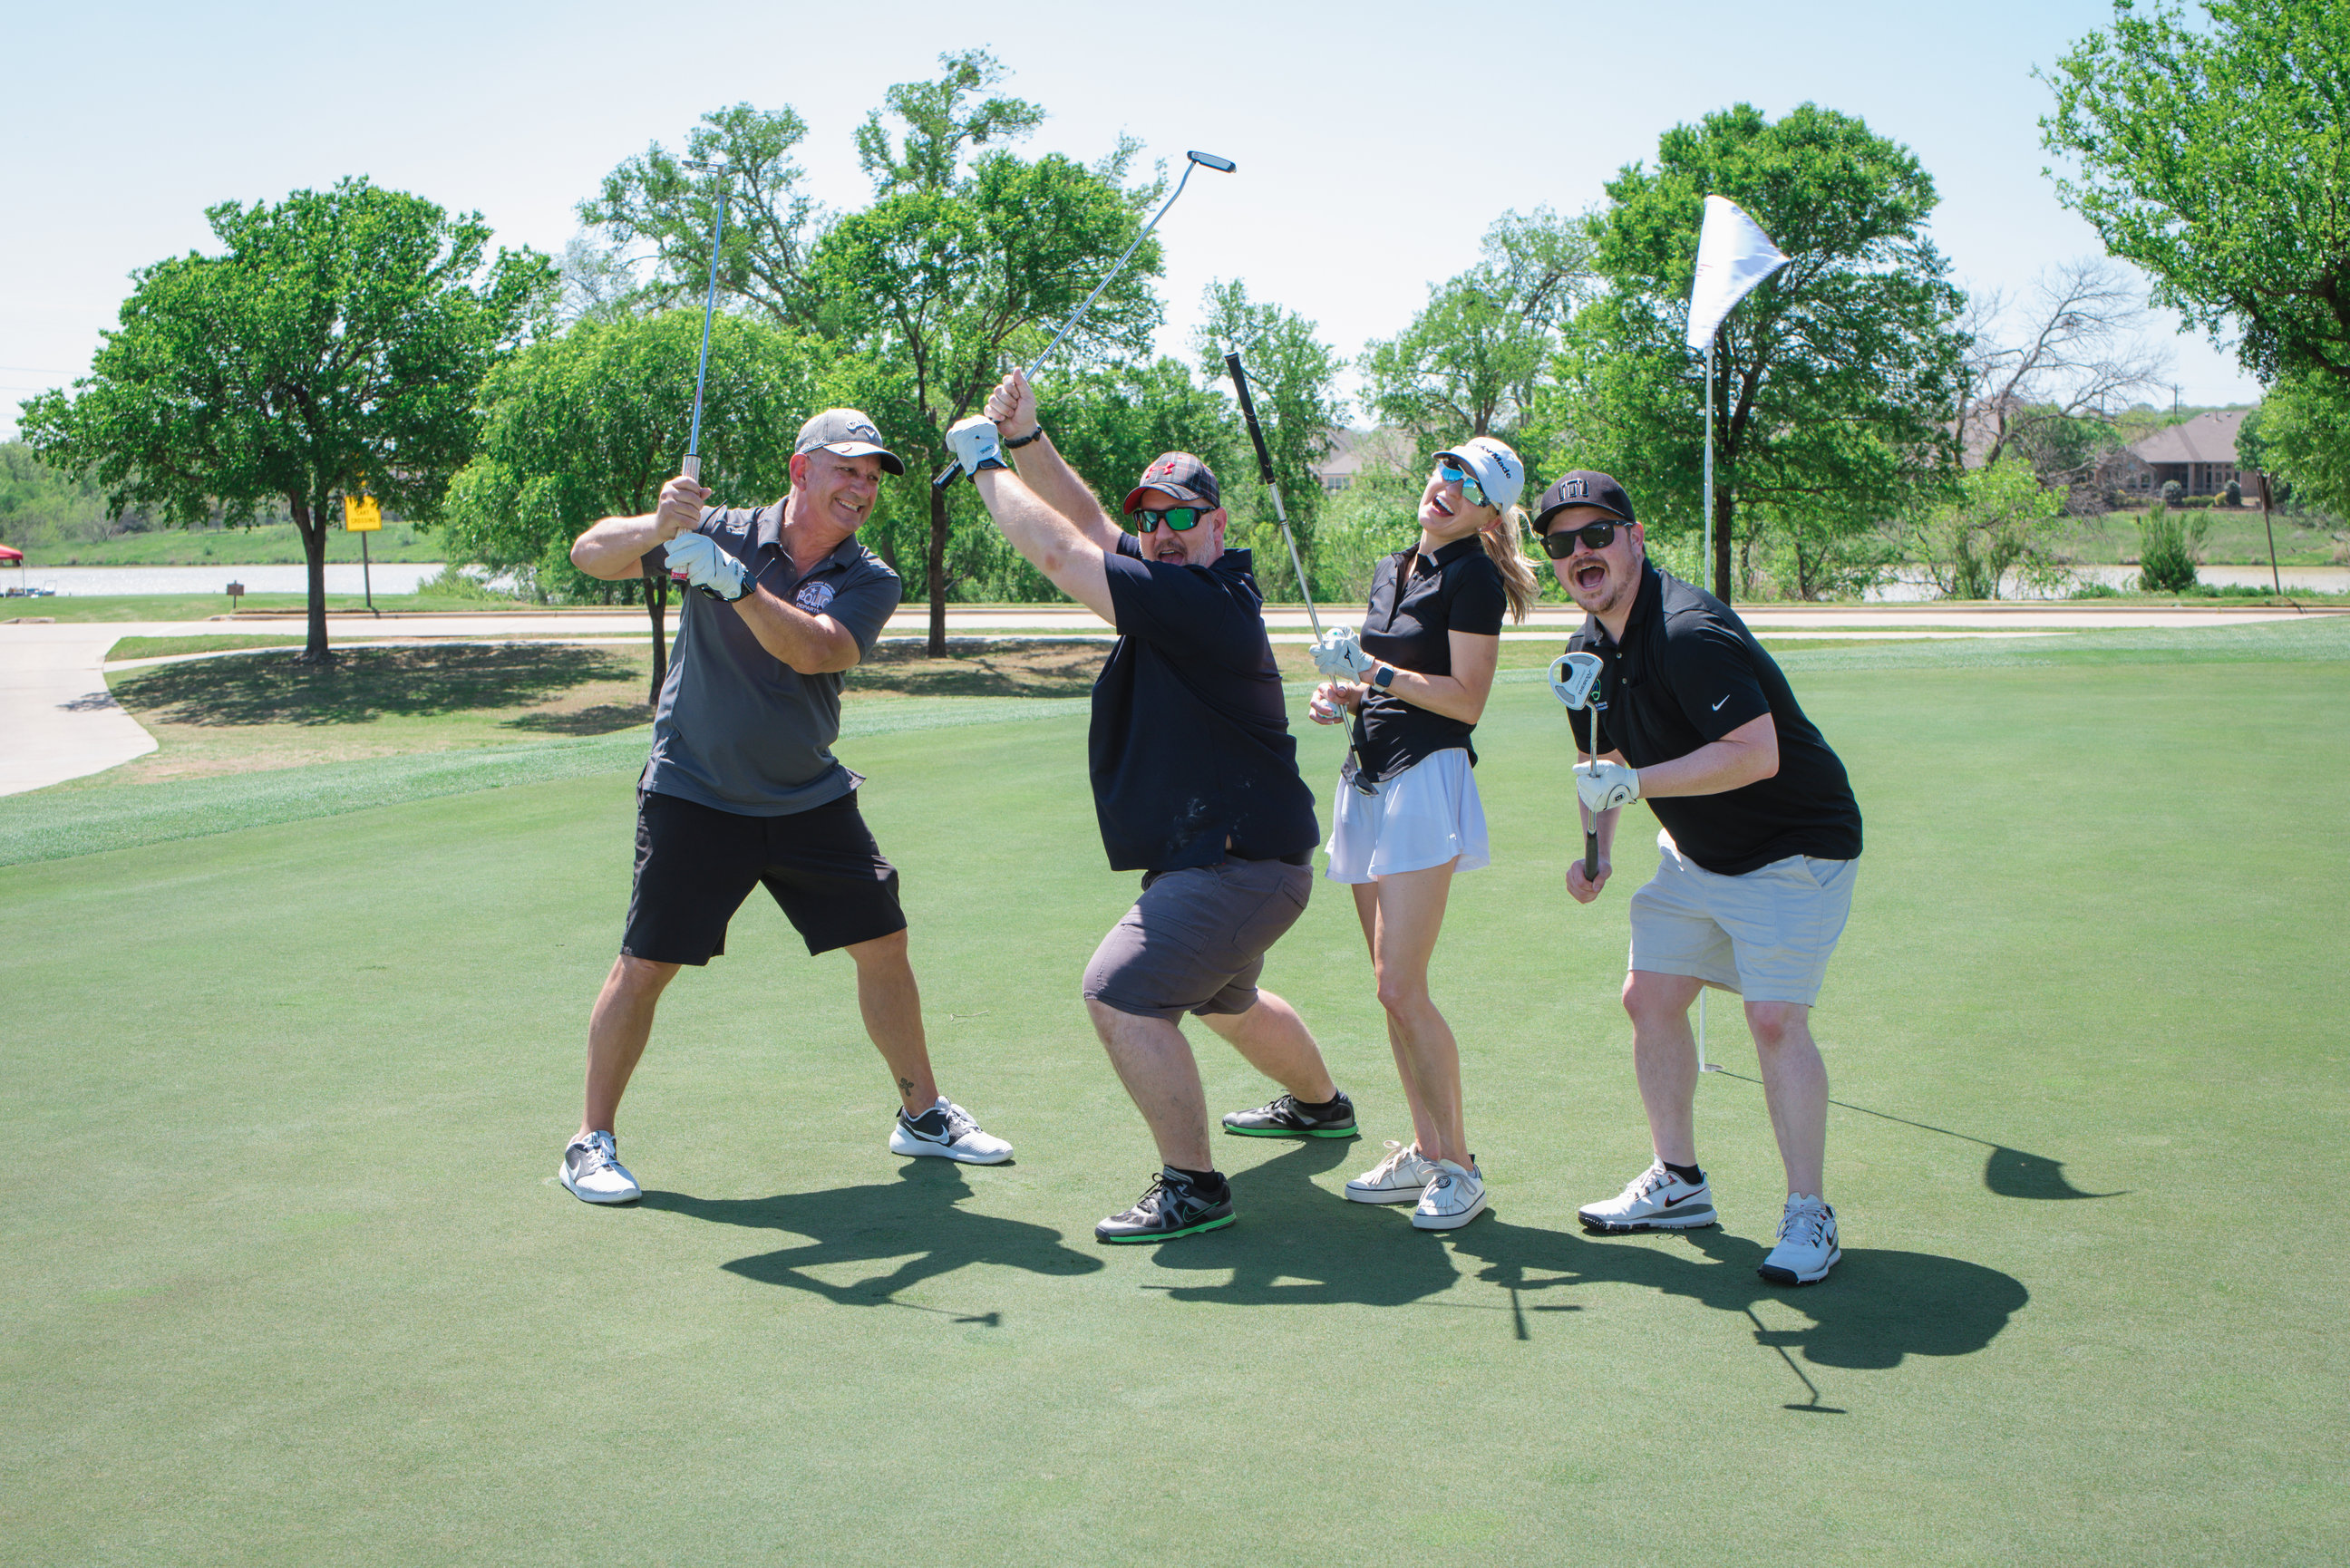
[2166, 554]
[2094, 590]
[2234, 494]
[2173, 492]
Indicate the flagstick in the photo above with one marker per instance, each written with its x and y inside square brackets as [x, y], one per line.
[1704, 570]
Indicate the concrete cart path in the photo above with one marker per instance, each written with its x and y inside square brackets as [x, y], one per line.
[58, 720]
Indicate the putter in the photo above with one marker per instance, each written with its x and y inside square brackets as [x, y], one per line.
[1572, 676]
[1205, 160]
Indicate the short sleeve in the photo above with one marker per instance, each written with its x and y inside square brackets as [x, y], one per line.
[1479, 598]
[864, 605]
[1712, 678]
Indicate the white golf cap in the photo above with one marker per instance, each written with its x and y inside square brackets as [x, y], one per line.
[849, 434]
[1495, 467]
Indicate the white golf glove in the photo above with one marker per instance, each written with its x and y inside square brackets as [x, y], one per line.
[976, 444]
[1604, 786]
[696, 558]
[1341, 656]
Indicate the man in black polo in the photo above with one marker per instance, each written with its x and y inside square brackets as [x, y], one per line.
[1760, 841]
[1195, 784]
[743, 789]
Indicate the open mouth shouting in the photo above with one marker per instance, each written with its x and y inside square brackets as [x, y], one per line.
[1589, 575]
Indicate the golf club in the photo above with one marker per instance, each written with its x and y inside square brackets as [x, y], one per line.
[692, 468]
[1206, 160]
[1573, 687]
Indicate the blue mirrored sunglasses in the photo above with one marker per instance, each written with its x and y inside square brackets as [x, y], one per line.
[1470, 490]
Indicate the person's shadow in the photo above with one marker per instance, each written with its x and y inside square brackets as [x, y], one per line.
[916, 1221]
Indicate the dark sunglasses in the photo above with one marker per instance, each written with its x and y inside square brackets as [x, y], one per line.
[1558, 544]
[1181, 519]
[1470, 490]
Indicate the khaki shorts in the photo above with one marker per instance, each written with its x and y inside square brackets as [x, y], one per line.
[1195, 941]
[1766, 935]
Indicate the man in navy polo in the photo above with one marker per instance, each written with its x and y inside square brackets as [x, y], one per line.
[1195, 785]
[743, 790]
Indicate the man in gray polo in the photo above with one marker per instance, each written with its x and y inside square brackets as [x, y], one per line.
[743, 789]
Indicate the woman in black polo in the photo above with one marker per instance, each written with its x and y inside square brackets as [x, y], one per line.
[1408, 815]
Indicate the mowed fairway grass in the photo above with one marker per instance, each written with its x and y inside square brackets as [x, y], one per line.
[289, 1279]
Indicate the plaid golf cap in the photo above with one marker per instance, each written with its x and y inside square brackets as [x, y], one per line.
[849, 433]
[1584, 487]
[1180, 475]
[1495, 467]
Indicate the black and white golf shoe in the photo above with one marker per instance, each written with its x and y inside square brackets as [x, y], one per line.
[1171, 1206]
[1807, 1246]
[946, 1131]
[1287, 1118]
[1656, 1199]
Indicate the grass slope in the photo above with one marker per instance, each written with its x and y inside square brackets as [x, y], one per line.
[290, 1283]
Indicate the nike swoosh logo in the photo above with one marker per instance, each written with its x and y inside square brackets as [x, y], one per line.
[1716, 707]
[1684, 1198]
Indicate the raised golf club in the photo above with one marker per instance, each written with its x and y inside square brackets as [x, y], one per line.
[1205, 160]
[1264, 472]
[1574, 676]
[692, 467]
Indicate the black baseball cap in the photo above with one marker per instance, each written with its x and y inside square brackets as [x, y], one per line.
[1584, 487]
[1180, 475]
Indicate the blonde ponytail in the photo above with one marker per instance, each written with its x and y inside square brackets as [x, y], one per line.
[1502, 541]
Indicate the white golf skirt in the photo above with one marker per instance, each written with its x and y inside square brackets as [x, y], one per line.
[1424, 817]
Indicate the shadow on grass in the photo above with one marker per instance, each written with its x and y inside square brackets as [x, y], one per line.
[364, 683]
[983, 667]
[1297, 1245]
[913, 1219]
[604, 719]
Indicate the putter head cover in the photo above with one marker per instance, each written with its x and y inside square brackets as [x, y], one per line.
[696, 558]
[976, 444]
[1604, 786]
[1339, 654]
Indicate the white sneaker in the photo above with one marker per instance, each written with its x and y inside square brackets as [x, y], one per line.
[1400, 1177]
[1656, 1199]
[591, 1169]
[1807, 1246]
[1455, 1196]
[946, 1131]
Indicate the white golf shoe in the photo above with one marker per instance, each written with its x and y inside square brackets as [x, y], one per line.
[946, 1131]
[1656, 1199]
[1455, 1196]
[591, 1169]
[1807, 1246]
[1400, 1177]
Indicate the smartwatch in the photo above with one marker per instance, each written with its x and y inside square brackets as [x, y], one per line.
[1383, 677]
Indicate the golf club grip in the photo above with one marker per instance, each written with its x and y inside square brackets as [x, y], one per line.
[1591, 854]
[946, 476]
[692, 467]
[1248, 413]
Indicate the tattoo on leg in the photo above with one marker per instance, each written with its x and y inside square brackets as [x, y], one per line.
[905, 1085]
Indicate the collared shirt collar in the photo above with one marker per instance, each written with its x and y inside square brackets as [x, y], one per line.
[768, 530]
[1449, 554]
[1645, 600]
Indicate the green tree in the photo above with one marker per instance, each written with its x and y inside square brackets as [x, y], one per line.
[666, 205]
[1294, 381]
[944, 283]
[591, 425]
[1838, 376]
[940, 124]
[1472, 361]
[334, 347]
[2002, 521]
[2219, 162]
[2300, 434]
[40, 505]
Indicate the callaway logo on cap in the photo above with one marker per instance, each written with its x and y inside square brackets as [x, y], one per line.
[850, 434]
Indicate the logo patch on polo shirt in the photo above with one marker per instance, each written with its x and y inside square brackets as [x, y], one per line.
[813, 596]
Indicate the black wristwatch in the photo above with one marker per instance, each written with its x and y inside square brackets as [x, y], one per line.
[1383, 677]
[1035, 435]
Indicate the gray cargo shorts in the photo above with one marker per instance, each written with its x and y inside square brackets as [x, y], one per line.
[1195, 941]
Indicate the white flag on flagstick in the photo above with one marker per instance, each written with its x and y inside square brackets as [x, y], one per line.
[1733, 255]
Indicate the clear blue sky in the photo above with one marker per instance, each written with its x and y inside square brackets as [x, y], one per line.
[1376, 141]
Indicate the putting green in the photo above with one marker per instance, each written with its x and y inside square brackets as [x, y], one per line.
[289, 1279]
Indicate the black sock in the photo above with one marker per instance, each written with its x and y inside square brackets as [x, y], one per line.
[1208, 1184]
[1320, 1107]
[1688, 1173]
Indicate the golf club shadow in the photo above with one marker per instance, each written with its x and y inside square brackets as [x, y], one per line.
[914, 1221]
[1297, 1244]
[1879, 1307]
[2009, 1172]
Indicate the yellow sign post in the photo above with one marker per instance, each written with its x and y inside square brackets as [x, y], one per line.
[362, 516]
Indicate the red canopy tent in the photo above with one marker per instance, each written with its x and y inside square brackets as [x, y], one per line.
[17, 557]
